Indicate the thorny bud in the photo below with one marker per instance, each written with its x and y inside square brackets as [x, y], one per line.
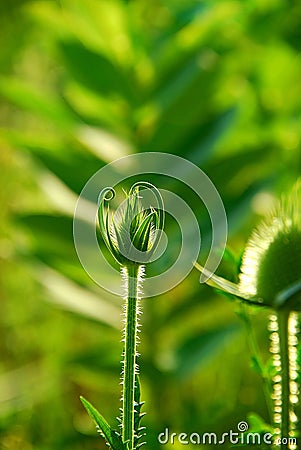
[271, 264]
[270, 273]
[133, 233]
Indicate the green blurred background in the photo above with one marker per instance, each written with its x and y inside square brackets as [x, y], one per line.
[82, 83]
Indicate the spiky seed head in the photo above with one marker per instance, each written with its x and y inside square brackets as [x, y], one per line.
[133, 233]
[271, 263]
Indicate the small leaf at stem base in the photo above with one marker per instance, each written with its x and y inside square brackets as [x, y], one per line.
[112, 437]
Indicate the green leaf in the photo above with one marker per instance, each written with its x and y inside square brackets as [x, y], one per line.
[181, 127]
[141, 237]
[228, 288]
[139, 431]
[110, 243]
[103, 216]
[64, 159]
[256, 365]
[199, 348]
[219, 282]
[38, 103]
[111, 436]
[258, 425]
[69, 296]
[95, 71]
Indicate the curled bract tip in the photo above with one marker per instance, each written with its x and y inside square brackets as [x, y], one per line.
[106, 194]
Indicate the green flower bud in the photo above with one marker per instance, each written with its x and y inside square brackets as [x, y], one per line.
[133, 233]
[271, 264]
[270, 273]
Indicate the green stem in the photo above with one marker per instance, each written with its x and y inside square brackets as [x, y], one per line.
[267, 388]
[283, 320]
[130, 348]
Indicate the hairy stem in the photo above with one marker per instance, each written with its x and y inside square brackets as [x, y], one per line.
[132, 274]
[283, 330]
[252, 342]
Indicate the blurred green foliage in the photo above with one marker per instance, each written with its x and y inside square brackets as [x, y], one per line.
[82, 83]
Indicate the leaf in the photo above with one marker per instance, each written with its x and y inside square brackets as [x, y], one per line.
[139, 431]
[141, 237]
[112, 437]
[180, 126]
[65, 159]
[201, 347]
[42, 104]
[219, 282]
[256, 365]
[72, 297]
[202, 143]
[258, 425]
[68, 165]
[226, 287]
[95, 71]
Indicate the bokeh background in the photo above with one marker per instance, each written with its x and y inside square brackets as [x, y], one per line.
[82, 83]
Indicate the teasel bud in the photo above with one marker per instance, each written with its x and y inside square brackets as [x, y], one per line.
[133, 232]
[270, 273]
[271, 264]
